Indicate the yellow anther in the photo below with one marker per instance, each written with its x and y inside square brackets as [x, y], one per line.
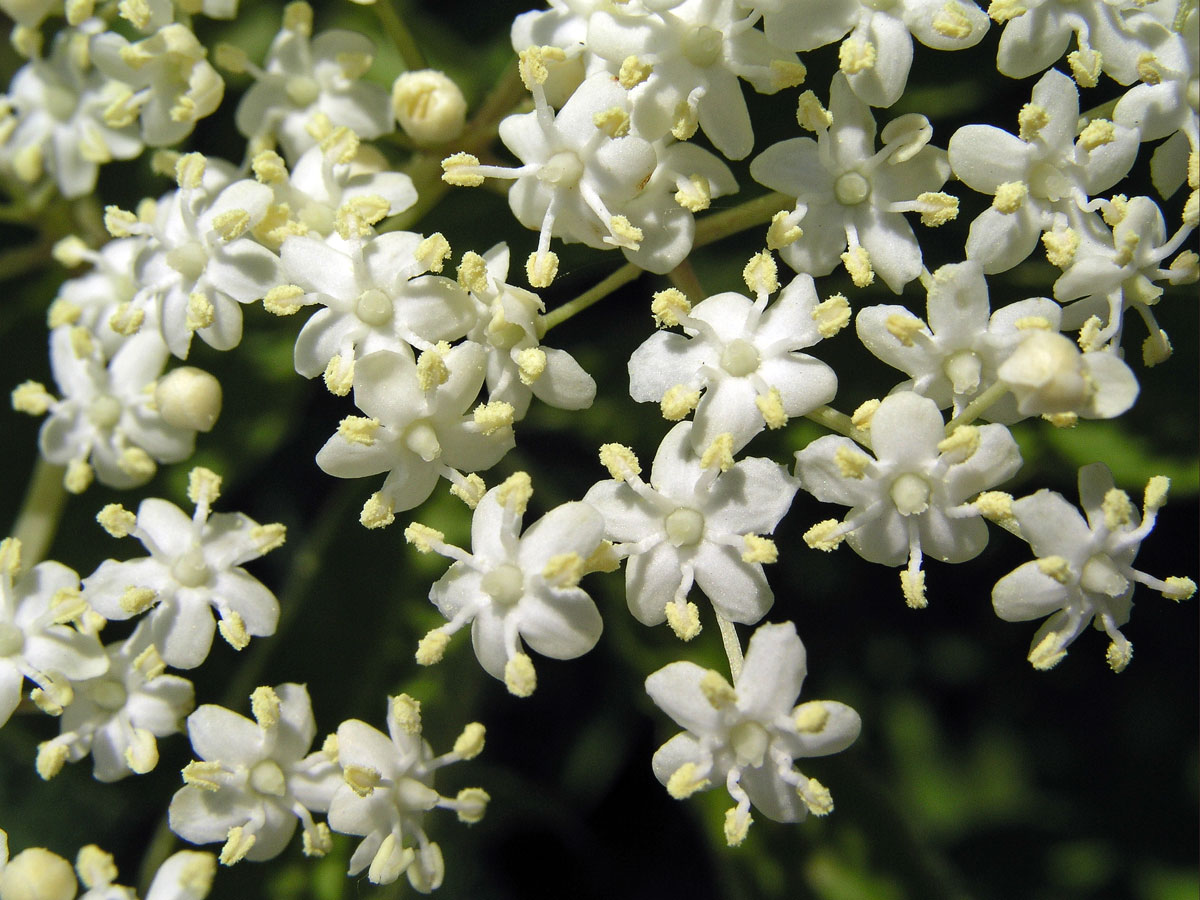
[1061, 245]
[602, 559]
[284, 299]
[904, 327]
[1033, 323]
[684, 620]
[472, 273]
[469, 744]
[759, 549]
[684, 782]
[519, 676]
[137, 463]
[362, 779]
[1062, 419]
[358, 430]
[1048, 652]
[621, 461]
[625, 232]
[189, 170]
[912, 585]
[423, 537]
[761, 274]
[613, 121]
[716, 690]
[493, 416]
[339, 375]
[27, 41]
[354, 65]
[136, 600]
[531, 364]
[117, 520]
[1003, 10]
[851, 463]
[832, 315]
[231, 224]
[317, 841]
[1126, 246]
[1097, 133]
[232, 59]
[719, 453]
[432, 647]
[1114, 211]
[118, 222]
[1056, 567]
[736, 826]
[268, 537]
[856, 56]
[531, 64]
[1086, 66]
[126, 319]
[1178, 588]
[68, 605]
[78, 476]
[825, 535]
[685, 122]
[787, 73]
[817, 798]
[136, 12]
[82, 343]
[233, 629]
[633, 72]
[515, 492]
[356, 216]
[858, 263]
[71, 251]
[64, 312]
[431, 366]
[55, 694]
[1010, 196]
[269, 167]
[1118, 656]
[203, 774]
[377, 512]
[200, 312]
[811, 115]
[564, 570]
[471, 804]
[951, 21]
[51, 757]
[782, 232]
[678, 402]
[457, 170]
[1157, 489]
[1185, 268]
[811, 717]
[770, 406]
[862, 415]
[264, 706]
[298, 17]
[540, 268]
[995, 505]
[963, 442]
[938, 208]
[10, 556]
[696, 194]
[668, 306]
[470, 491]
[1118, 509]
[32, 398]
[150, 663]
[1031, 120]
[406, 712]
[238, 843]
[28, 163]
[204, 486]
[1148, 68]
[1090, 335]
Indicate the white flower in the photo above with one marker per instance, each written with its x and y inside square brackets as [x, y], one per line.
[255, 780]
[417, 427]
[848, 194]
[388, 789]
[1049, 376]
[194, 567]
[117, 716]
[35, 872]
[307, 80]
[911, 499]
[742, 355]
[748, 735]
[699, 519]
[103, 298]
[512, 587]
[36, 639]
[186, 875]
[1084, 570]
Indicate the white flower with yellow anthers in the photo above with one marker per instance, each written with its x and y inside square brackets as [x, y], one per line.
[878, 47]
[850, 197]
[700, 519]
[953, 357]
[310, 84]
[201, 259]
[913, 498]
[388, 789]
[1038, 173]
[164, 82]
[255, 780]
[35, 872]
[417, 427]
[102, 300]
[737, 366]
[585, 178]
[1113, 271]
[519, 366]
[37, 639]
[562, 26]
[340, 185]
[194, 567]
[108, 422]
[56, 122]
[748, 736]
[1110, 34]
[186, 875]
[378, 294]
[117, 716]
[1084, 569]
[682, 67]
[512, 587]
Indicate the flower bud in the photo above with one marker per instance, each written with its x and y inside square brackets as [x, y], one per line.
[189, 398]
[37, 874]
[429, 107]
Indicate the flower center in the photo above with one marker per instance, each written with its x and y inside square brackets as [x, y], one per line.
[190, 570]
[505, 584]
[851, 188]
[374, 307]
[267, 778]
[1101, 576]
[562, 170]
[12, 640]
[684, 527]
[302, 90]
[910, 493]
[422, 440]
[1047, 181]
[702, 45]
[104, 411]
[749, 741]
[60, 102]
[188, 260]
[109, 695]
[739, 358]
[963, 369]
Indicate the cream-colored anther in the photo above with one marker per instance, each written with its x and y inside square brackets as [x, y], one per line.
[406, 713]
[719, 453]
[472, 273]
[118, 222]
[268, 537]
[761, 274]
[1097, 133]
[633, 72]
[339, 375]
[1004, 10]
[811, 115]
[695, 195]
[564, 570]
[78, 476]
[264, 706]
[238, 842]
[684, 782]
[233, 628]
[432, 370]
[32, 398]
[1010, 196]
[422, 537]
[737, 826]
[858, 263]
[811, 717]
[541, 268]
[470, 490]
[200, 312]
[519, 676]
[1048, 652]
[1061, 245]
[962, 442]
[471, 804]
[912, 585]
[937, 208]
[832, 315]
[770, 406]
[470, 743]
[904, 327]
[136, 600]
[1031, 120]
[117, 520]
[951, 21]
[1056, 567]
[515, 492]
[1118, 509]
[458, 170]
[683, 619]
[668, 306]
[620, 461]
[362, 779]
[205, 775]
[783, 231]
[759, 549]
[613, 121]
[716, 690]
[531, 364]
[493, 416]
[856, 56]
[432, 647]
[910, 494]
[1086, 65]
[825, 535]
[851, 463]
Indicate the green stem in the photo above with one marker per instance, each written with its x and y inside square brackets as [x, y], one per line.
[745, 215]
[733, 646]
[619, 278]
[977, 407]
[20, 260]
[683, 276]
[40, 512]
[401, 37]
[839, 422]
